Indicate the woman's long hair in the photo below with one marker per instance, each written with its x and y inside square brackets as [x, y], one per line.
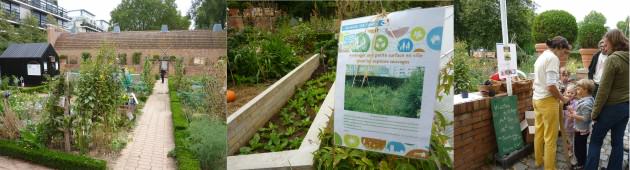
[618, 40]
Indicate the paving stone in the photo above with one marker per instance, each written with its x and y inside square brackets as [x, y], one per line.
[152, 137]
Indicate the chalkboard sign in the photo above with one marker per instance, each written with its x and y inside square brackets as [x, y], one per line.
[506, 124]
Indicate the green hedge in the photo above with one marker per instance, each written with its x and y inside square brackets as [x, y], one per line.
[50, 158]
[554, 23]
[185, 158]
[35, 89]
[590, 34]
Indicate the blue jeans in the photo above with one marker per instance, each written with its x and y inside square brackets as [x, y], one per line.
[612, 118]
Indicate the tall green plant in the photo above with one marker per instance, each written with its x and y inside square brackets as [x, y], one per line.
[146, 76]
[99, 94]
[463, 75]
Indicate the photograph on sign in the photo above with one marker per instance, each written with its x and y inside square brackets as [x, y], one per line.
[33, 70]
[384, 90]
[506, 60]
[389, 66]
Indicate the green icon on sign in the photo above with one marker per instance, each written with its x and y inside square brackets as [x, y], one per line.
[381, 43]
[418, 33]
[362, 43]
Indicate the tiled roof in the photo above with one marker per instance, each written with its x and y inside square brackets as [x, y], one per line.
[28, 50]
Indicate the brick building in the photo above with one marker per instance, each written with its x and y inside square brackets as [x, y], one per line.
[200, 49]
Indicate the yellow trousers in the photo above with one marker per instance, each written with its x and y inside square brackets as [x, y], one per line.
[547, 123]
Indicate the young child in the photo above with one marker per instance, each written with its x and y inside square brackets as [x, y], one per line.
[582, 116]
[568, 122]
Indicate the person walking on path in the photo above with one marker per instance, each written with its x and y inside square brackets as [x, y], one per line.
[596, 67]
[162, 73]
[547, 101]
[610, 112]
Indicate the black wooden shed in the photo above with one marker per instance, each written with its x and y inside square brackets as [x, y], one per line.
[30, 61]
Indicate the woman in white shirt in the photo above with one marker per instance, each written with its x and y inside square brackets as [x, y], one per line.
[548, 100]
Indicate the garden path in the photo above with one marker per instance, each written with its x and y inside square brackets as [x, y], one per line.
[153, 135]
[15, 164]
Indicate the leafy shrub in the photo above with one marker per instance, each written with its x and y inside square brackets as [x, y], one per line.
[122, 58]
[266, 58]
[461, 60]
[553, 23]
[85, 56]
[207, 142]
[50, 158]
[590, 33]
[136, 58]
[99, 94]
[183, 155]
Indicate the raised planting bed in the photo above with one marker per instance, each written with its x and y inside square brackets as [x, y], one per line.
[245, 122]
[289, 137]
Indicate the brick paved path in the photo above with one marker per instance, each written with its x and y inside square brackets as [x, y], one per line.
[153, 135]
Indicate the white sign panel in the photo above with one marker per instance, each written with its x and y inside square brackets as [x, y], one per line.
[506, 60]
[34, 69]
[387, 77]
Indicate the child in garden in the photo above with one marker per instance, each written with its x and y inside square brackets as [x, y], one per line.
[581, 113]
[568, 122]
[564, 79]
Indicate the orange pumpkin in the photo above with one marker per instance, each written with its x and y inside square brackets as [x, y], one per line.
[231, 96]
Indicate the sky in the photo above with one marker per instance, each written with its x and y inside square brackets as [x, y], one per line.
[613, 10]
[102, 8]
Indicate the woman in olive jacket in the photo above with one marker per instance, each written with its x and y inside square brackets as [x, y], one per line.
[610, 112]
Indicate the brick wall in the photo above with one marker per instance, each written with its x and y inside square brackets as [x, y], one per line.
[211, 57]
[474, 140]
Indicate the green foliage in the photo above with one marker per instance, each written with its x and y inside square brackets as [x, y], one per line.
[479, 22]
[208, 143]
[462, 71]
[50, 158]
[99, 93]
[146, 76]
[55, 121]
[122, 58]
[31, 137]
[295, 118]
[206, 13]
[185, 158]
[261, 58]
[6, 36]
[85, 56]
[595, 18]
[385, 96]
[553, 23]
[139, 15]
[623, 26]
[590, 33]
[29, 31]
[136, 58]
[35, 89]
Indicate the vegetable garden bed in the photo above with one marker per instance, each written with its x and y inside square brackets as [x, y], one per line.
[289, 131]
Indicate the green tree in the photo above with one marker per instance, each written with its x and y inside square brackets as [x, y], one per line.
[7, 35]
[553, 23]
[29, 31]
[479, 22]
[623, 26]
[594, 17]
[206, 13]
[138, 15]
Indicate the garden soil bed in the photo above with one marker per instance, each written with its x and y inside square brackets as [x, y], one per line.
[245, 93]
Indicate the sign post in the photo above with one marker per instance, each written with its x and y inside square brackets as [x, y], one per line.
[387, 76]
[504, 32]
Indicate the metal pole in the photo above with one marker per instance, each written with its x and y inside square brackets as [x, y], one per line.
[504, 32]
